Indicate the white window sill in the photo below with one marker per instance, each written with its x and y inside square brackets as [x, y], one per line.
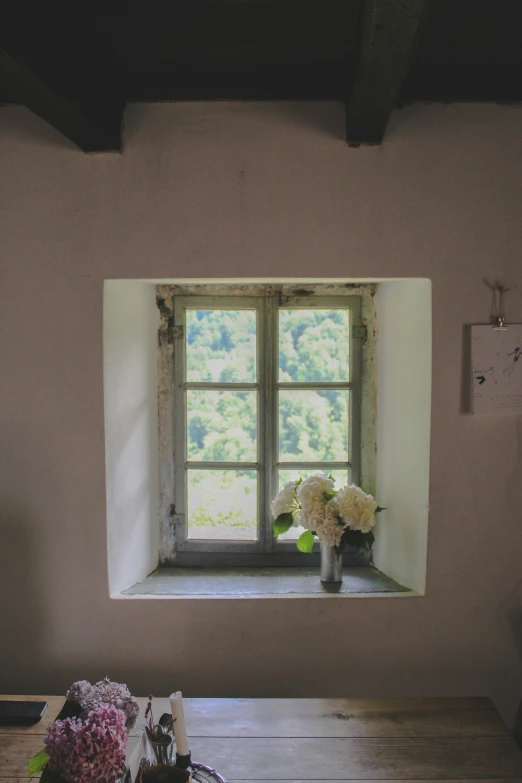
[362, 581]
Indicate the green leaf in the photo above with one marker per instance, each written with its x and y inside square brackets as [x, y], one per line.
[305, 542]
[299, 481]
[379, 508]
[329, 495]
[37, 763]
[283, 523]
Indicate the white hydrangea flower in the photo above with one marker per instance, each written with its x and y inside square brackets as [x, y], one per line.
[310, 491]
[356, 508]
[310, 494]
[286, 500]
[312, 514]
[331, 528]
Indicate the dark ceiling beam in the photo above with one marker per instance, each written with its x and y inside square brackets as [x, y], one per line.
[84, 127]
[390, 31]
[460, 82]
[241, 81]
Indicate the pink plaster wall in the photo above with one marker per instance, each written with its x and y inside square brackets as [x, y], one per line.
[253, 190]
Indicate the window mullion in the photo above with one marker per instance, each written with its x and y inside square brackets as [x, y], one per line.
[224, 386]
[208, 465]
[315, 385]
[314, 464]
[269, 412]
[179, 415]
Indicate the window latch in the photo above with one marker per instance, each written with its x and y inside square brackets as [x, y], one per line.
[176, 520]
[360, 332]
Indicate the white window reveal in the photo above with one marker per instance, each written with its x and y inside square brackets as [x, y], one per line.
[256, 390]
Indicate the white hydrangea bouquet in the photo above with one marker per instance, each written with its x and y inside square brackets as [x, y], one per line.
[336, 517]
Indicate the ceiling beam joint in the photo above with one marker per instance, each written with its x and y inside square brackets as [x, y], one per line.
[90, 132]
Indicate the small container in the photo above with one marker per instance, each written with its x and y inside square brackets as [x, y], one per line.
[331, 565]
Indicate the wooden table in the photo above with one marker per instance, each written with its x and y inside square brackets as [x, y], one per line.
[301, 740]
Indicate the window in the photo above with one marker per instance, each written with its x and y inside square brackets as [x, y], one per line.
[264, 388]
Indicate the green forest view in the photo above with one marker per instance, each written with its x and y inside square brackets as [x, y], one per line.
[222, 426]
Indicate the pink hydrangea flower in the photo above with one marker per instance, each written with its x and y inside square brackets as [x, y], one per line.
[117, 693]
[89, 750]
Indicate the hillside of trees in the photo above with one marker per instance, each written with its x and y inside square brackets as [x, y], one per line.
[222, 425]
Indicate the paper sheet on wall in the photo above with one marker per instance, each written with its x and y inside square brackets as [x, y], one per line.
[496, 357]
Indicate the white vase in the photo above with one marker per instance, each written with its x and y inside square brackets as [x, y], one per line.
[331, 565]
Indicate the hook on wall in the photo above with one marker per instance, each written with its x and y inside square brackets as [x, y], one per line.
[499, 289]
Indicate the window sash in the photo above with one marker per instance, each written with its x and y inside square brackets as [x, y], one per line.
[181, 385]
[267, 550]
[352, 303]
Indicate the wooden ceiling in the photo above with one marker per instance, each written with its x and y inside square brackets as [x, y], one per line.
[77, 64]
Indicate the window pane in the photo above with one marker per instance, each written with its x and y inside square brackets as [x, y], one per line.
[221, 345]
[222, 505]
[221, 426]
[313, 426]
[341, 477]
[314, 345]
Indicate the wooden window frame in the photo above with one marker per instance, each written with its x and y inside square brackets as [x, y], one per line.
[267, 551]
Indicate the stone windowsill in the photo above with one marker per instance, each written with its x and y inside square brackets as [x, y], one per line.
[262, 583]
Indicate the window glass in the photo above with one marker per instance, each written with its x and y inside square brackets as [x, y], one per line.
[222, 505]
[313, 425]
[221, 426]
[221, 345]
[314, 345]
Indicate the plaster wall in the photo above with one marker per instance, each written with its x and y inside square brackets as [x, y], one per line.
[403, 429]
[131, 321]
[248, 190]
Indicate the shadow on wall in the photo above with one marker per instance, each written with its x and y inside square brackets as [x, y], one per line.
[30, 130]
[466, 386]
[22, 616]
